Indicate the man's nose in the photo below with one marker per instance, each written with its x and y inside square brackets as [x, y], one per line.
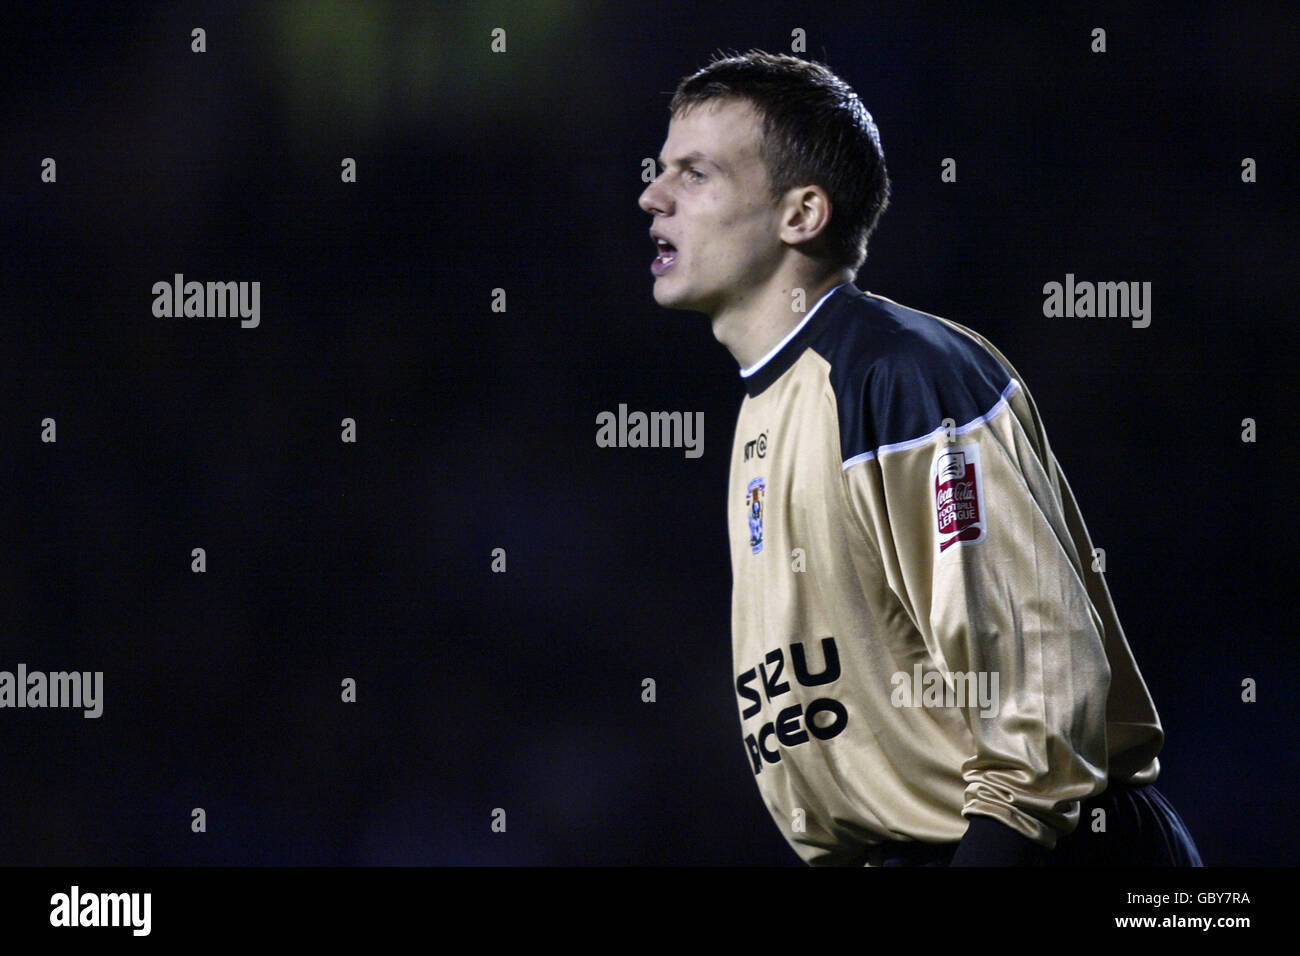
[654, 200]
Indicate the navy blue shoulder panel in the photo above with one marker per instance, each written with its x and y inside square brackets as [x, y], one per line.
[898, 373]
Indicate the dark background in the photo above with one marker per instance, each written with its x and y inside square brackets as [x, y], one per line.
[477, 429]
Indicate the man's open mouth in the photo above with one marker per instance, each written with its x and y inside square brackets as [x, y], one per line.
[667, 256]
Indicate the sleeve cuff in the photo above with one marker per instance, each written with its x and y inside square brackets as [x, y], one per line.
[989, 842]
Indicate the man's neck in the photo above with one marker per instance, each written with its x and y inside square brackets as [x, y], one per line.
[751, 330]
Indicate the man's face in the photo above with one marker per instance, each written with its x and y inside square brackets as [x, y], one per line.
[712, 204]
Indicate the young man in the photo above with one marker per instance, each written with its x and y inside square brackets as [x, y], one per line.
[927, 667]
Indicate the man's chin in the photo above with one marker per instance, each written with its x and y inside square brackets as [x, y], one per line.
[665, 297]
[670, 298]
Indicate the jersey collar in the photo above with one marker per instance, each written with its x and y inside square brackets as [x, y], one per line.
[782, 355]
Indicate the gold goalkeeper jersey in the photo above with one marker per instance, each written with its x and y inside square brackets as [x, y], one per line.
[919, 634]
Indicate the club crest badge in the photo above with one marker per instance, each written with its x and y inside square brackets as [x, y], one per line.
[958, 483]
[754, 507]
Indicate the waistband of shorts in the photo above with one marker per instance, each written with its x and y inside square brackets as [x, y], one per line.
[917, 853]
[910, 853]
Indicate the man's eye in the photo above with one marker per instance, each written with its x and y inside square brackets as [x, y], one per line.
[695, 174]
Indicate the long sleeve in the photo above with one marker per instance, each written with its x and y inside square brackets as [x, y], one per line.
[976, 546]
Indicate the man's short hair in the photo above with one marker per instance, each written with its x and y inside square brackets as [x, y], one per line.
[815, 131]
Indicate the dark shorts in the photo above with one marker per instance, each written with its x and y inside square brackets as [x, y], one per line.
[1142, 829]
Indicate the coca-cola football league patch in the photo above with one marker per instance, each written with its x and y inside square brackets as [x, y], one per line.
[958, 506]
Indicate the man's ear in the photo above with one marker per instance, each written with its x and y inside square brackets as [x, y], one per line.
[805, 214]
